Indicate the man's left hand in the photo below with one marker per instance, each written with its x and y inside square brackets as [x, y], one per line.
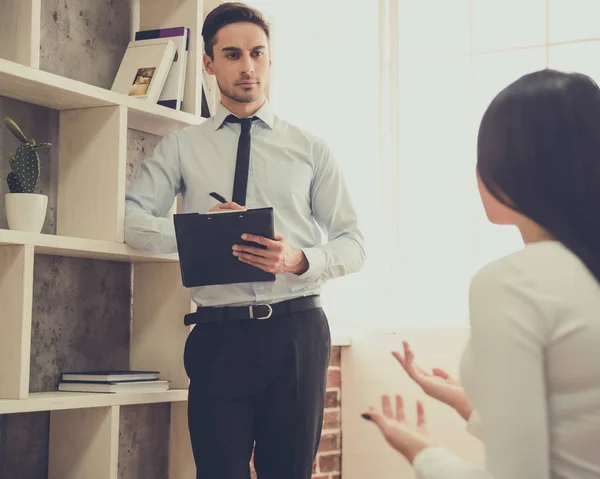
[278, 257]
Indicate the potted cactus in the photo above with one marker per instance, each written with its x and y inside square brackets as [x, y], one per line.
[25, 209]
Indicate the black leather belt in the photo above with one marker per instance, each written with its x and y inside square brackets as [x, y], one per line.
[258, 312]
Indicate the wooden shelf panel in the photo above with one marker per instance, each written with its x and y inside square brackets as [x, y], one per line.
[58, 400]
[54, 91]
[81, 247]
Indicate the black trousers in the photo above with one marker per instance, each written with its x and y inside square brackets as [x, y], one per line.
[260, 381]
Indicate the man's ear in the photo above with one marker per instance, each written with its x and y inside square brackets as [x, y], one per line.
[208, 64]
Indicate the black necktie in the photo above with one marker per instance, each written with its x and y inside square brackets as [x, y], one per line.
[240, 181]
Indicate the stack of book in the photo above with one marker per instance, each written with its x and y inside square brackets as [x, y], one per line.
[112, 382]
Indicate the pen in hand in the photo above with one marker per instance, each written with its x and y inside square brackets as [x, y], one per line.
[218, 197]
[225, 205]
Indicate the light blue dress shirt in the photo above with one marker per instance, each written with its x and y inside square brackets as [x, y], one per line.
[290, 170]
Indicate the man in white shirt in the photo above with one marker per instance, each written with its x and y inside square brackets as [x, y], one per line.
[258, 356]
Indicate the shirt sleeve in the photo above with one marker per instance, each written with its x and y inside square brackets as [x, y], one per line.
[474, 425]
[334, 212]
[149, 197]
[508, 338]
[438, 463]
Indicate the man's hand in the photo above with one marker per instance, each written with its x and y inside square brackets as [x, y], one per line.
[278, 257]
[229, 206]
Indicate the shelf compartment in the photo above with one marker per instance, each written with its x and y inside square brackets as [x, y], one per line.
[158, 334]
[81, 247]
[181, 457]
[16, 295]
[91, 173]
[58, 400]
[20, 27]
[161, 14]
[54, 91]
[84, 443]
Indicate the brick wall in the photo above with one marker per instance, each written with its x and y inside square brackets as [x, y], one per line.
[328, 464]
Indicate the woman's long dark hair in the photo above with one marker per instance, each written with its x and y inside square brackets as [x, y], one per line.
[538, 152]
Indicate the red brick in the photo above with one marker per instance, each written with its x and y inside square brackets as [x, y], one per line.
[330, 442]
[330, 463]
[332, 398]
[334, 378]
[331, 420]
[335, 476]
[336, 356]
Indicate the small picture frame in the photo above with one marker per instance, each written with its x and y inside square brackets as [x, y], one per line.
[141, 82]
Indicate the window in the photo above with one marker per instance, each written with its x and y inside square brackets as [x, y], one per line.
[398, 88]
[444, 236]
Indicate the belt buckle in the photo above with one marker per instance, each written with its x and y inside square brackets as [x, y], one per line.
[268, 315]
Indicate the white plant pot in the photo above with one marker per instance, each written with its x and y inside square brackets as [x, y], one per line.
[26, 211]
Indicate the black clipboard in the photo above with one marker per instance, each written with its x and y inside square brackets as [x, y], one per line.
[204, 243]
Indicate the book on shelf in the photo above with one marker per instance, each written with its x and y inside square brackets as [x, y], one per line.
[114, 387]
[112, 381]
[173, 90]
[144, 68]
[109, 376]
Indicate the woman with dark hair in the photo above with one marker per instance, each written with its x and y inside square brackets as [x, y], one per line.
[531, 368]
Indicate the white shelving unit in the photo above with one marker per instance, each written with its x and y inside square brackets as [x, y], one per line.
[84, 428]
[81, 247]
[55, 401]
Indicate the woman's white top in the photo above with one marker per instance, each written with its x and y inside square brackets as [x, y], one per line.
[531, 370]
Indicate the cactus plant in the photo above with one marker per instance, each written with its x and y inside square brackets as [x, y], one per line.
[25, 163]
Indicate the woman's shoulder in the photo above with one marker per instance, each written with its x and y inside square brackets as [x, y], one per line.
[535, 263]
[545, 276]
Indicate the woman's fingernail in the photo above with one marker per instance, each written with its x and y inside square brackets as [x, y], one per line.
[367, 417]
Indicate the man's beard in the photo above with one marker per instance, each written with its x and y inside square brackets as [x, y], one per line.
[248, 97]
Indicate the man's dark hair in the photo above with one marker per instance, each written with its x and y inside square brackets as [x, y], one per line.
[226, 14]
[538, 152]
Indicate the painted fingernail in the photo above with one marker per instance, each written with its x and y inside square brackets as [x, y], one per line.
[367, 417]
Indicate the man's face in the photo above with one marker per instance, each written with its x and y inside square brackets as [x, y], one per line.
[241, 62]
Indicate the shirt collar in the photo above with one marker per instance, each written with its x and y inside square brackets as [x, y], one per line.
[265, 114]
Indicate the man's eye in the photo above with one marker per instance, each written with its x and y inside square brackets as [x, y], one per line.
[232, 56]
[258, 54]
